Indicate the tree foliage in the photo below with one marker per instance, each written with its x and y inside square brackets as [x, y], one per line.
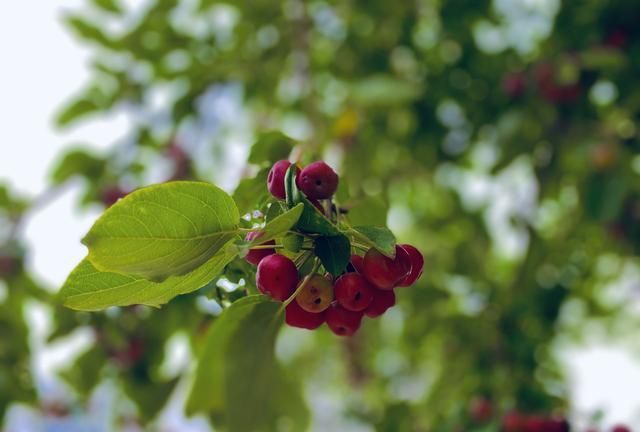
[505, 148]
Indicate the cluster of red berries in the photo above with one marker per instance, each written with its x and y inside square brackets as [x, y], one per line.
[366, 288]
[518, 422]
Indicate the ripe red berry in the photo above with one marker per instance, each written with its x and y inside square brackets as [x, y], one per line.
[417, 265]
[382, 300]
[513, 422]
[535, 424]
[318, 181]
[254, 256]
[557, 424]
[353, 292]
[341, 321]
[316, 295]
[480, 409]
[620, 428]
[384, 272]
[514, 84]
[295, 316]
[111, 194]
[275, 179]
[9, 265]
[358, 263]
[277, 276]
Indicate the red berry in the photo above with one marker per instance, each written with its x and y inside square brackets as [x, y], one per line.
[417, 264]
[513, 422]
[557, 425]
[277, 276]
[535, 424]
[254, 256]
[275, 180]
[514, 84]
[382, 300]
[318, 181]
[384, 272]
[295, 316]
[353, 292]
[341, 321]
[620, 428]
[358, 263]
[317, 294]
[481, 409]
[111, 194]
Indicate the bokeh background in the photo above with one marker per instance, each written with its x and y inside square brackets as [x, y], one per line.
[501, 137]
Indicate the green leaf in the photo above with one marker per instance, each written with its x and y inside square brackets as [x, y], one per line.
[271, 147]
[85, 373]
[384, 90]
[163, 230]
[378, 237]
[88, 30]
[334, 253]
[75, 110]
[604, 195]
[88, 289]
[311, 220]
[112, 6]
[237, 380]
[77, 162]
[251, 192]
[279, 226]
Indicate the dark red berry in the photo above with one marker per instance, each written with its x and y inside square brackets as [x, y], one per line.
[254, 256]
[481, 409]
[514, 84]
[111, 194]
[513, 422]
[341, 321]
[557, 425]
[353, 292]
[382, 300]
[275, 180]
[358, 263]
[318, 181]
[417, 265]
[295, 316]
[620, 428]
[277, 276]
[384, 272]
[535, 424]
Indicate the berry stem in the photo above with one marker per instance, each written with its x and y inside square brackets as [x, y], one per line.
[304, 283]
[360, 246]
[258, 247]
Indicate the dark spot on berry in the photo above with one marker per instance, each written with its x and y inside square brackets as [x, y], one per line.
[318, 300]
[318, 182]
[357, 297]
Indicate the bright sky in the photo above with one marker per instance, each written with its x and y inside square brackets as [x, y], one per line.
[42, 65]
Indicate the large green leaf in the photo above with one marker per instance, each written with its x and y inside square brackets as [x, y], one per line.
[163, 230]
[88, 289]
[378, 237]
[238, 381]
[334, 253]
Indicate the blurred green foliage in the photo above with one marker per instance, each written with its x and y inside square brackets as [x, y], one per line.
[499, 137]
